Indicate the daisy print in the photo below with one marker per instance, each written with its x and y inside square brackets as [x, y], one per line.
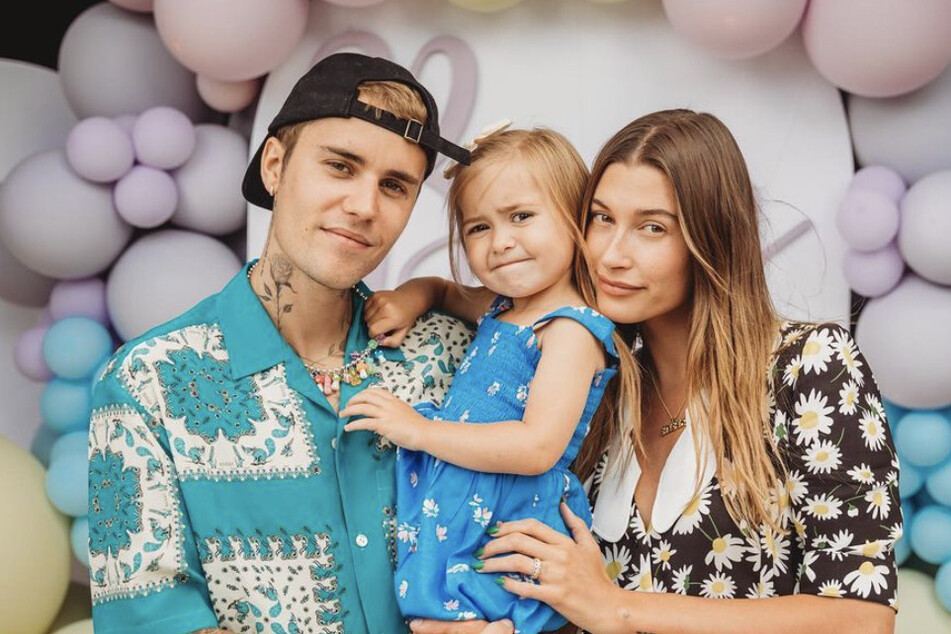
[871, 550]
[682, 579]
[846, 352]
[761, 590]
[862, 474]
[867, 578]
[616, 561]
[812, 417]
[724, 551]
[848, 398]
[791, 372]
[777, 547]
[817, 352]
[873, 430]
[662, 554]
[837, 545]
[641, 579]
[698, 507]
[831, 589]
[796, 486]
[823, 457]
[718, 586]
[824, 507]
[875, 405]
[879, 502]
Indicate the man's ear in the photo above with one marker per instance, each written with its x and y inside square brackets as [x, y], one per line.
[272, 164]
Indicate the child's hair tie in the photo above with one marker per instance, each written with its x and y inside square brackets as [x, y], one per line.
[484, 133]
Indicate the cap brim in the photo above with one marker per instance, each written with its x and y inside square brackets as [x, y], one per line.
[253, 187]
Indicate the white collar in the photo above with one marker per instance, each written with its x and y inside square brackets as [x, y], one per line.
[676, 488]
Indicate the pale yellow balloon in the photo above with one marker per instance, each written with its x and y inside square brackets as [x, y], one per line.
[34, 545]
[79, 627]
[76, 607]
[485, 6]
[919, 611]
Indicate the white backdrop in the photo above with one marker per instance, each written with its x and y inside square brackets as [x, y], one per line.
[587, 69]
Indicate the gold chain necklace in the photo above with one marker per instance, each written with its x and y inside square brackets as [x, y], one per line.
[675, 422]
[363, 364]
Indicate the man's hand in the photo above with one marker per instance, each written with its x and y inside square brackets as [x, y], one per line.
[386, 415]
[426, 626]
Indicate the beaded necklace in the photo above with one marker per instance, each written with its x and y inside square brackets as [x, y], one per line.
[363, 364]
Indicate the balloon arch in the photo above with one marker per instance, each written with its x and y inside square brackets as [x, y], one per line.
[122, 208]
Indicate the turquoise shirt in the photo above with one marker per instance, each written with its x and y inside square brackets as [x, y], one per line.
[223, 490]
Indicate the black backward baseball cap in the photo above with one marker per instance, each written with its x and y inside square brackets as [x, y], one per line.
[330, 89]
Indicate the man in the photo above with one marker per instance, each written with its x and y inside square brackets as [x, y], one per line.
[224, 495]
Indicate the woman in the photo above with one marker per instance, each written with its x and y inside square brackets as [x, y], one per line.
[737, 419]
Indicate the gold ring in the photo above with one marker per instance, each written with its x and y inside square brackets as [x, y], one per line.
[536, 568]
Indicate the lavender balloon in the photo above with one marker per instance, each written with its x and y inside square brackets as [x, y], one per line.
[28, 355]
[163, 137]
[99, 150]
[867, 220]
[880, 179]
[146, 197]
[873, 273]
[79, 298]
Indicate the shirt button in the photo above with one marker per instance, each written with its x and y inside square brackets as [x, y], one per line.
[361, 540]
[333, 443]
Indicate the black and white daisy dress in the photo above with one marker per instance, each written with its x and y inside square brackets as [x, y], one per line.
[840, 505]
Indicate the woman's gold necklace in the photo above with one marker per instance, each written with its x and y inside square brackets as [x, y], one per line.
[675, 421]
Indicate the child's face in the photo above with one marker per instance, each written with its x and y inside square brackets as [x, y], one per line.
[515, 241]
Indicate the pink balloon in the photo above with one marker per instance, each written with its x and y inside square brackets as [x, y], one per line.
[228, 96]
[878, 48]
[874, 273]
[735, 29]
[28, 355]
[231, 41]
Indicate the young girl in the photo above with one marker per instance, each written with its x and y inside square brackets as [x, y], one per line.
[536, 371]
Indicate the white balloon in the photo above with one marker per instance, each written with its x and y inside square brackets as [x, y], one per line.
[58, 223]
[911, 134]
[162, 275]
[34, 113]
[926, 227]
[209, 183]
[112, 62]
[906, 338]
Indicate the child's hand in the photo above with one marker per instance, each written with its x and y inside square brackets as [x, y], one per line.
[389, 313]
[386, 415]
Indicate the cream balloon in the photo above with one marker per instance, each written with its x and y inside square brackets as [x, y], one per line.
[918, 607]
[34, 545]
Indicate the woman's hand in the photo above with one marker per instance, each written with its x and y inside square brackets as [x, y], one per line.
[571, 577]
[386, 415]
[393, 313]
[426, 626]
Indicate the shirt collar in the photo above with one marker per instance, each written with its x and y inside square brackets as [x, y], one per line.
[254, 344]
